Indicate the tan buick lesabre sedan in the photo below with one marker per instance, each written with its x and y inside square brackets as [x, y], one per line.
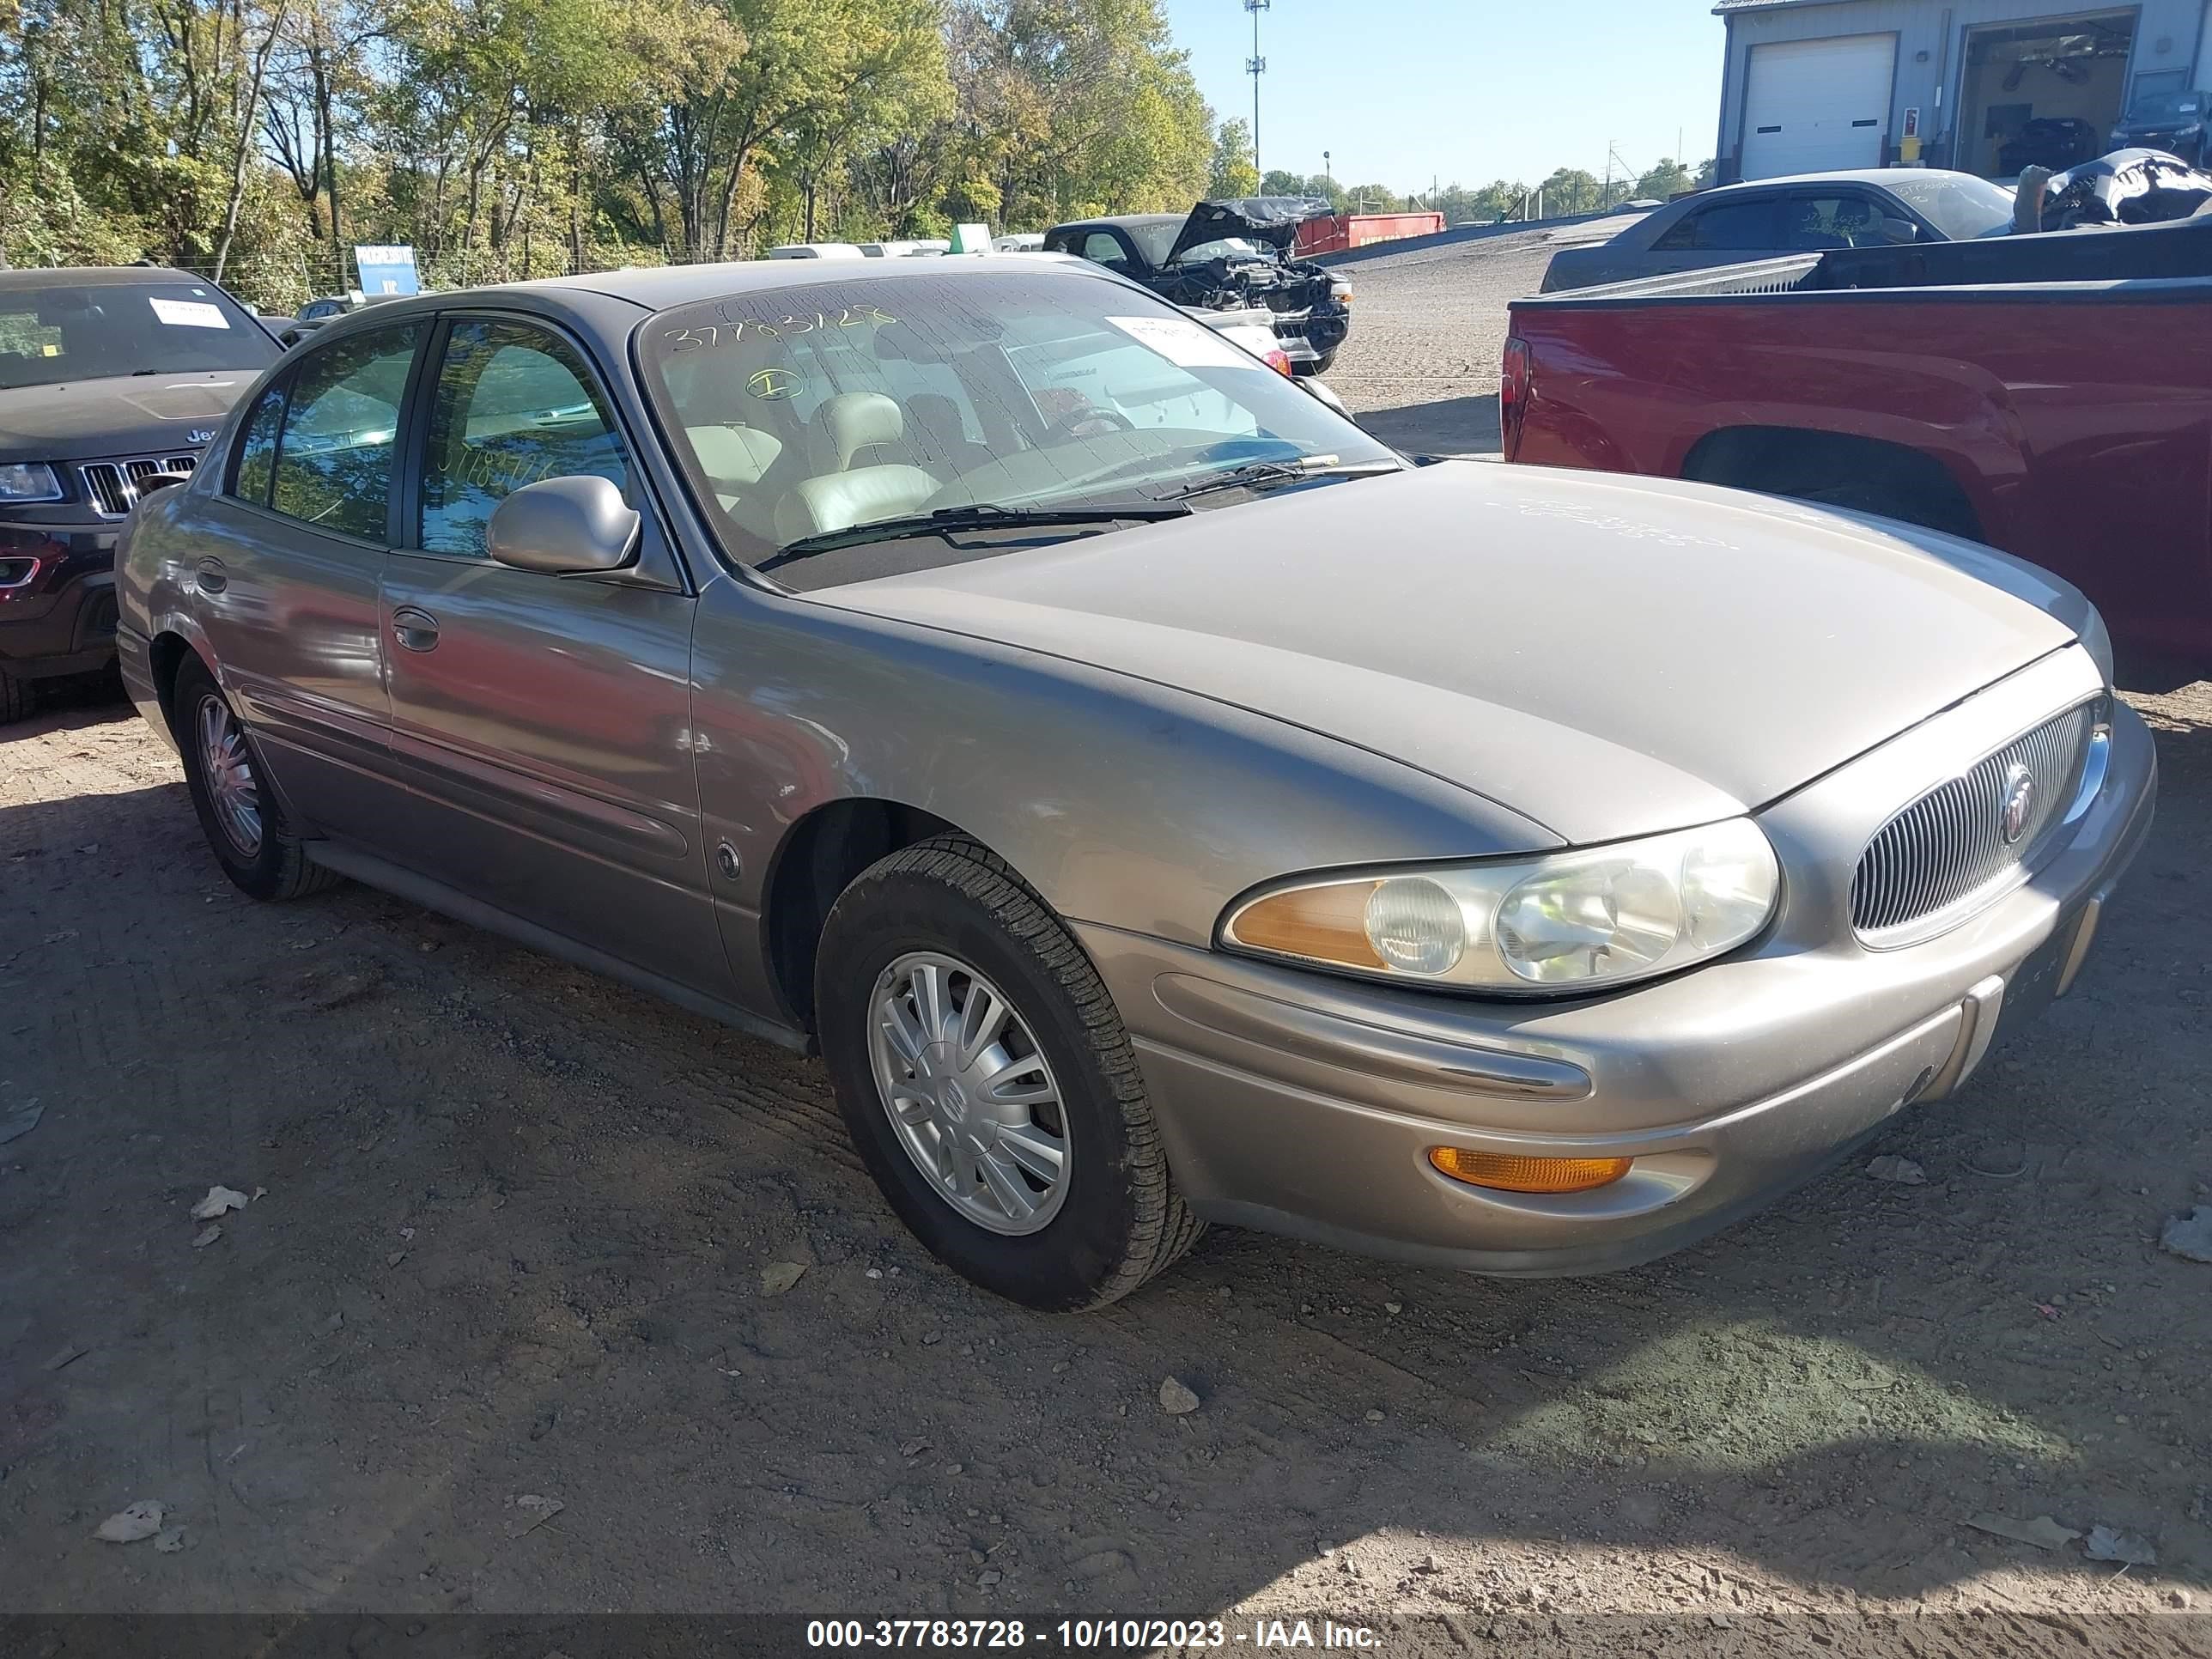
[1157, 802]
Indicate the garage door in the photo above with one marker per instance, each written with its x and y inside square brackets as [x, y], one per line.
[1810, 105]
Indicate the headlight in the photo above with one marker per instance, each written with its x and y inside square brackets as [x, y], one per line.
[29, 482]
[1558, 924]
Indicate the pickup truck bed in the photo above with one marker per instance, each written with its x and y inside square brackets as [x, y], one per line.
[2049, 395]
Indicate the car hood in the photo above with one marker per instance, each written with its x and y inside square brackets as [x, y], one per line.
[130, 415]
[1272, 221]
[1606, 656]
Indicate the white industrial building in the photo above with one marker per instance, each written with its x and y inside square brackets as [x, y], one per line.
[1815, 84]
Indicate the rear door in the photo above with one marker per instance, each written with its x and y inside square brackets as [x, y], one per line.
[286, 591]
[544, 722]
[1726, 231]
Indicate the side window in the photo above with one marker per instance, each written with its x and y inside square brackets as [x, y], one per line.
[333, 465]
[1103, 247]
[1724, 225]
[1813, 222]
[514, 405]
[257, 448]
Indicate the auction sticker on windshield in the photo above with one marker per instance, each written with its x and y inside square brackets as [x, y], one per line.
[1185, 343]
[189, 313]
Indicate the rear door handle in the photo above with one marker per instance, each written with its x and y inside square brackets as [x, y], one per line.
[415, 630]
[212, 577]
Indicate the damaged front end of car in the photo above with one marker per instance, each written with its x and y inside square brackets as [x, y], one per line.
[1237, 255]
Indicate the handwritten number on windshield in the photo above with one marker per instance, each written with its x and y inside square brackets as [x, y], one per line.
[730, 332]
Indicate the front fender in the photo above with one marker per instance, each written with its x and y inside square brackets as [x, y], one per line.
[1126, 804]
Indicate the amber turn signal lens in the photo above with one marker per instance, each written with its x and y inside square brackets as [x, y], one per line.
[1325, 923]
[1511, 1174]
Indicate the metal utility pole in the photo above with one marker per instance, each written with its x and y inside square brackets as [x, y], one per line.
[1255, 66]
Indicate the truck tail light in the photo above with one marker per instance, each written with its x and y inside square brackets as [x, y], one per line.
[1515, 383]
[1279, 360]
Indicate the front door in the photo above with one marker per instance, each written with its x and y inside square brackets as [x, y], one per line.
[286, 592]
[543, 722]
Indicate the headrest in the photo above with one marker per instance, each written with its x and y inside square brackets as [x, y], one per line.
[851, 421]
[733, 454]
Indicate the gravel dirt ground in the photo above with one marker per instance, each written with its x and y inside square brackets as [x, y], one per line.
[1420, 367]
[517, 1234]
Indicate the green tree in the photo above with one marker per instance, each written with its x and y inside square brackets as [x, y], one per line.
[1570, 191]
[1669, 178]
[1233, 173]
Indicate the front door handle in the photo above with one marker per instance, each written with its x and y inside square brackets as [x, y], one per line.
[415, 630]
[212, 577]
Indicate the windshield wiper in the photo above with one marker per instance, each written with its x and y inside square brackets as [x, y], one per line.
[981, 516]
[1258, 476]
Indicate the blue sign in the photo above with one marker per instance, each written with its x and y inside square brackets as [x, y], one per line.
[387, 269]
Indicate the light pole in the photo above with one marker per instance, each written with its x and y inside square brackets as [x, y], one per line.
[1255, 66]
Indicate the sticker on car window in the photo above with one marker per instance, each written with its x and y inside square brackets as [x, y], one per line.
[1185, 343]
[189, 313]
[774, 385]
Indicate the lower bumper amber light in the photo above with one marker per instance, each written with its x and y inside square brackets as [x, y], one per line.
[1511, 1173]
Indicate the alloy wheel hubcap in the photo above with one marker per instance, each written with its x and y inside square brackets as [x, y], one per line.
[228, 765]
[971, 1095]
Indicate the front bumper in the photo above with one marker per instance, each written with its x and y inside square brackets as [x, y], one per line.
[60, 619]
[1306, 1104]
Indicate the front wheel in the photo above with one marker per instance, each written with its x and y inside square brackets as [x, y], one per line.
[15, 697]
[240, 816]
[989, 1084]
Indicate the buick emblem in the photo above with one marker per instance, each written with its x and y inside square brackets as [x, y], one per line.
[2019, 803]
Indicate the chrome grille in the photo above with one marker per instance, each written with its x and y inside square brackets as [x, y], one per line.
[112, 487]
[1950, 848]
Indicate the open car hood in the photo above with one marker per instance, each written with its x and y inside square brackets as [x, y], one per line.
[1272, 221]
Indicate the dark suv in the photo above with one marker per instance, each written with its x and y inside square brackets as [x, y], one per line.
[108, 377]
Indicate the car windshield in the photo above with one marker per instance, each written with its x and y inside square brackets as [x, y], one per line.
[805, 411]
[1959, 204]
[1153, 240]
[2167, 107]
[90, 332]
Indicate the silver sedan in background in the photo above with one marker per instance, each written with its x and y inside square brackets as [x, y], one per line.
[1810, 212]
[1157, 801]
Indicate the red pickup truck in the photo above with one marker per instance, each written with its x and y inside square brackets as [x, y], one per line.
[2049, 395]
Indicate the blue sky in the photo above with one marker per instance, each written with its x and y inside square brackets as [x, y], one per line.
[1472, 89]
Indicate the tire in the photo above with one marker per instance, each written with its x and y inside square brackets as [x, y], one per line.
[1110, 1218]
[16, 697]
[271, 862]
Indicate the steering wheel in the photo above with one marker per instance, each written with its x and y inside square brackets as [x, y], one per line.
[1093, 424]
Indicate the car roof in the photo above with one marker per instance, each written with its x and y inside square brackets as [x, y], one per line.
[663, 288]
[1881, 178]
[657, 287]
[1126, 221]
[93, 277]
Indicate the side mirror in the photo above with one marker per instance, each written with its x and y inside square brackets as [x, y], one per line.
[1899, 230]
[572, 526]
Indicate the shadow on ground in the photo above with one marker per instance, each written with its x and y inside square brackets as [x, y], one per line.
[1449, 426]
